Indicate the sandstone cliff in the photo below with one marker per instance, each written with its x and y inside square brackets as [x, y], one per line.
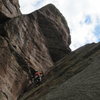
[37, 40]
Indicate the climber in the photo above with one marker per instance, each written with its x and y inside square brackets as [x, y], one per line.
[35, 76]
[31, 74]
[38, 78]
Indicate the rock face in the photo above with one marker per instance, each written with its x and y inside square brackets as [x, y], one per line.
[26, 41]
[75, 77]
[29, 41]
[12, 75]
[8, 9]
[40, 41]
[55, 30]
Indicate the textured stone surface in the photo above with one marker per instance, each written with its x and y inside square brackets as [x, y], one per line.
[8, 9]
[75, 77]
[55, 29]
[35, 40]
[25, 43]
[12, 76]
[26, 40]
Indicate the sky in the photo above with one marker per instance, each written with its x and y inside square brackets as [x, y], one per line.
[82, 16]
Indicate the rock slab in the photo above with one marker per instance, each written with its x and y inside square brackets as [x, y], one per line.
[75, 77]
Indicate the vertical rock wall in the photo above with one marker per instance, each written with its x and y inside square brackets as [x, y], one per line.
[36, 40]
[12, 76]
[55, 30]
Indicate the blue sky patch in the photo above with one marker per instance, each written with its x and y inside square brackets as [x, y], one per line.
[97, 31]
[88, 19]
[38, 3]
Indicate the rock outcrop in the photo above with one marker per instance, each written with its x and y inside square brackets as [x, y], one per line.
[36, 40]
[8, 9]
[55, 29]
[75, 77]
[40, 41]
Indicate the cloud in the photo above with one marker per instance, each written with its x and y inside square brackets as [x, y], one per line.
[26, 6]
[83, 17]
